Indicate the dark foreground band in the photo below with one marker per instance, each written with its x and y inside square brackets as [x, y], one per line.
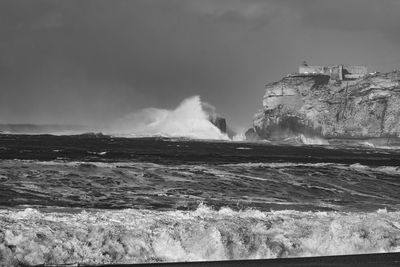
[361, 260]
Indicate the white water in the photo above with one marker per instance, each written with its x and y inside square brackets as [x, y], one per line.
[313, 140]
[129, 236]
[190, 119]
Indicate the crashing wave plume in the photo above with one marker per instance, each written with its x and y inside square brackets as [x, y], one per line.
[189, 120]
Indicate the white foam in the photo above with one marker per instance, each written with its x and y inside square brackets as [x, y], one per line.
[132, 236]
[313, 140]
[281, 164]
[368, 144]
[189, 120]
[239, 137]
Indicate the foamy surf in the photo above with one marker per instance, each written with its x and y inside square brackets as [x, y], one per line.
[313, 140]
[137, 236]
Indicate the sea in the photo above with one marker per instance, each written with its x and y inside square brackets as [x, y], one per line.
[102, 199]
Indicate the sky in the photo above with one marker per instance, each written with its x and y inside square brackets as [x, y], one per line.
[91, 62]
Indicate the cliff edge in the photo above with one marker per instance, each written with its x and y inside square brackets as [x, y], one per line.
[315, 105]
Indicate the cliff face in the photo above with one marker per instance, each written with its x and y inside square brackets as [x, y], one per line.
[315, 105]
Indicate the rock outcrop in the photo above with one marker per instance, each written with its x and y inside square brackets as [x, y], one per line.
[316, 105]
[219, 122]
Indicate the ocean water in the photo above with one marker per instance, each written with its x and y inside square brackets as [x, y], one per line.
[98, 199]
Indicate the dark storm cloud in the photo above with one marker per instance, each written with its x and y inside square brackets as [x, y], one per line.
[94, 60]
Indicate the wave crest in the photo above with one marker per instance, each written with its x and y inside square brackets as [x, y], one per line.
[190, 119]
[132, 236]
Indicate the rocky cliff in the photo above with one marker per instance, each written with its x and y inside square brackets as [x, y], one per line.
[315, 105]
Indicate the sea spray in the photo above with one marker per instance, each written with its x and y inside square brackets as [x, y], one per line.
[190, 119]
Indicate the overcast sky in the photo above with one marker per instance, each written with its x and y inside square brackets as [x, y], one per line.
[92, 61]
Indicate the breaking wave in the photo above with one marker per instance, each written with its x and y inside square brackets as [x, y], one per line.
[313, 140]
[190, 119]
[131, 236]
[305, 140]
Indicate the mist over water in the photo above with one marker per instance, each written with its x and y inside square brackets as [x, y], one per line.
[189, 119]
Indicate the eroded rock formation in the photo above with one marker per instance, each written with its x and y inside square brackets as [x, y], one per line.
[219, 122]
[316, 105]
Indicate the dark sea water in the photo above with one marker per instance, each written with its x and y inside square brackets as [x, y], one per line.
[96, 199]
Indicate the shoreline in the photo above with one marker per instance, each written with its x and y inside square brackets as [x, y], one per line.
[365, 260]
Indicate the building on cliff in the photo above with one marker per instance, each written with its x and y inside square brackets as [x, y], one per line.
[337, 72]
[310, 105]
